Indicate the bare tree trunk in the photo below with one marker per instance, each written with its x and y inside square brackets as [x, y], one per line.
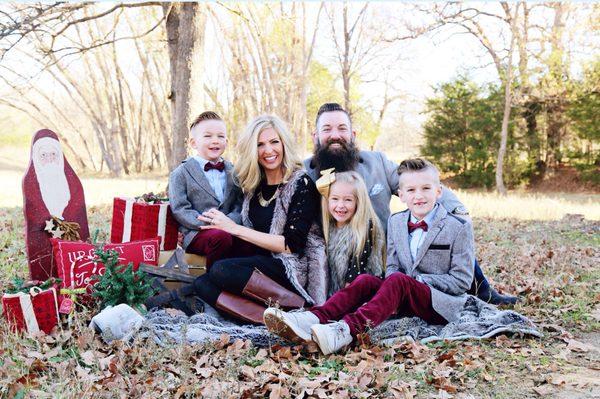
[346, 62]
[184, 21]
[500, 187]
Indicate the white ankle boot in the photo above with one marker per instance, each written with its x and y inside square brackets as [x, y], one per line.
[293, 326]
[331, 337]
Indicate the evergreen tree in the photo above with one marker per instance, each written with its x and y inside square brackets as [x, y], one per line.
[120, 283]
[462, 133]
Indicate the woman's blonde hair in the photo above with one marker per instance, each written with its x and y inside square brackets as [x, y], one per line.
[247, 168]
[359, 223]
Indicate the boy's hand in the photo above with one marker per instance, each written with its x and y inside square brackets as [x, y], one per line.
[217, 220]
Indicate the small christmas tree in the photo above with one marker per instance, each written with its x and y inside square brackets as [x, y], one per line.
[120, 284]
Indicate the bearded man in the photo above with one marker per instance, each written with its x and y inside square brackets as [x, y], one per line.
[50, 188]
[334, 147]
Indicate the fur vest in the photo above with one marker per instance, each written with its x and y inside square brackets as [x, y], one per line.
[343, 267]
[308, 274]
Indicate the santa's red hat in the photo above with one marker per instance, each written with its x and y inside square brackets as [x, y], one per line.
[44, 133]
[40, 134]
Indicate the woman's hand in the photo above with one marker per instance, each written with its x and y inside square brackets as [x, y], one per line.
[217, 220]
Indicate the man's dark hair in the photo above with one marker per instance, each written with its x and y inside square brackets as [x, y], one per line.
[205, 116]
[416, 165]
[330, 107]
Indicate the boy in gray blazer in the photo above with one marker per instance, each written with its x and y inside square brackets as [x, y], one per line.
[203, 182]
[429, 269]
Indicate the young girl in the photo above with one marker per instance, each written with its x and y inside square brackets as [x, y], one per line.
[355, 239]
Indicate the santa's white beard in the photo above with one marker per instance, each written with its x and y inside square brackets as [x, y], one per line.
[54, 188]
[48, 163]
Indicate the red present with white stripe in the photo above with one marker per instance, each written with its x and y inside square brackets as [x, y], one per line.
[33, 312]
[138, 221]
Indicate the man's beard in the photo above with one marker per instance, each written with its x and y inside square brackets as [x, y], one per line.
[342, 159]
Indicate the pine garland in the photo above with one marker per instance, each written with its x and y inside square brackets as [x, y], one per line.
[120, 284]
[21, 285]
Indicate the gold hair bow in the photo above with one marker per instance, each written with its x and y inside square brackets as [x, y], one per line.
[325, 181]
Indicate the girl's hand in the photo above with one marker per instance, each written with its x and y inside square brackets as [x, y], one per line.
[217, 220]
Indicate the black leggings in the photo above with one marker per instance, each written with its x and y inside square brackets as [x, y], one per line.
[231, 275]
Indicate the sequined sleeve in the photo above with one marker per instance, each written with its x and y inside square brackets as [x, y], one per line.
[303, 211]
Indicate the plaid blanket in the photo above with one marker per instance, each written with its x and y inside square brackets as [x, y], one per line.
[478, 320]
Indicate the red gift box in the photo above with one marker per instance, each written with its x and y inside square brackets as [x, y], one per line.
[133, 220]
[75, 261]
[32, 312]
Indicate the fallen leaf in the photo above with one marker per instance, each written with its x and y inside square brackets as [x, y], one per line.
[578, 346]
[88, 357]
[544, 390]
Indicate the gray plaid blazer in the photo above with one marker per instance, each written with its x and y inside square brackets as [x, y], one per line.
[444, 261]
[190, 194]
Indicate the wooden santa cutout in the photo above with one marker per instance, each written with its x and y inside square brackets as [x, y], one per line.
[50, 189]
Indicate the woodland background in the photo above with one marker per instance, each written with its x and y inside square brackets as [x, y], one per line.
[120, 82]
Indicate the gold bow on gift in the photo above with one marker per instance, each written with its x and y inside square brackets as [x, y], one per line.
[325, 181]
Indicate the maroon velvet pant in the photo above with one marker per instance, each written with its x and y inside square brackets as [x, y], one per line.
[217, 244]
[368, 301]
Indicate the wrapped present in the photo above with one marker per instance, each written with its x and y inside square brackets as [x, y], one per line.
[139, 219]
[77, 265]
[33, 311]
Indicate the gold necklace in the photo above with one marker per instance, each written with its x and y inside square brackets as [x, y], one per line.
[265, 203]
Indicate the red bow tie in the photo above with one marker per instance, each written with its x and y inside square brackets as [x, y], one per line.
[220, 166]
[413, 226]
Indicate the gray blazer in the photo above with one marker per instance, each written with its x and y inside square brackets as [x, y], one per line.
[381, 178]
[190, 194]
[444, 261]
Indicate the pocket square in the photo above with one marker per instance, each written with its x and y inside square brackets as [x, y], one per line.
[376, 189]
[439, 246]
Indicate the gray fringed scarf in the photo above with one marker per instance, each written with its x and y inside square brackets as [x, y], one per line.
[342, 267]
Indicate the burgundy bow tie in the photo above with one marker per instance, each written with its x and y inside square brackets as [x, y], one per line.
[220, 166]
[419, 225]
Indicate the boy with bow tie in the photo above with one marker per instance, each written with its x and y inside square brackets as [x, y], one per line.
[204, 182]
[430, 260]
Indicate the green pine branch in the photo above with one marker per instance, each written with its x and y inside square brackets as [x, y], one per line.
[120, 283]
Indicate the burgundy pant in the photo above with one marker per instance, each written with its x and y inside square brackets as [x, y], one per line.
[368, 301]
[217, 244]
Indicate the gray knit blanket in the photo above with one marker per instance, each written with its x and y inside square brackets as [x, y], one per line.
[477, 320]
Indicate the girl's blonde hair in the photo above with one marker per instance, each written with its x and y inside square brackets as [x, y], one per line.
[359, 223]
[247, 168]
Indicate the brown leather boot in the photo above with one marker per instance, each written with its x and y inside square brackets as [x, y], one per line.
[263, 289]
[242, 308]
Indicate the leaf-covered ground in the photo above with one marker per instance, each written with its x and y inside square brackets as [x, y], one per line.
[552, 265]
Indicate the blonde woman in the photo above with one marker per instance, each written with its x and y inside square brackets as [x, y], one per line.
[279, 218]
[355, 239]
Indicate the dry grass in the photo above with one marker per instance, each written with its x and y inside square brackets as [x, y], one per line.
[516, 205]
[552, 265]
[525, 206]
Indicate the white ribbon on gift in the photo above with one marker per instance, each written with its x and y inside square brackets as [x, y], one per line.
[28, 313]
[162, 224]
[127, 219]
[31, 322]
[162, 221]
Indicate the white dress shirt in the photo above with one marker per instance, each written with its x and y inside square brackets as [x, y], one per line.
[417, 237]
[216, 179]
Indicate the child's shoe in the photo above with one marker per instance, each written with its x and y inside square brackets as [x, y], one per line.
[331, 337]
[293, 326]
